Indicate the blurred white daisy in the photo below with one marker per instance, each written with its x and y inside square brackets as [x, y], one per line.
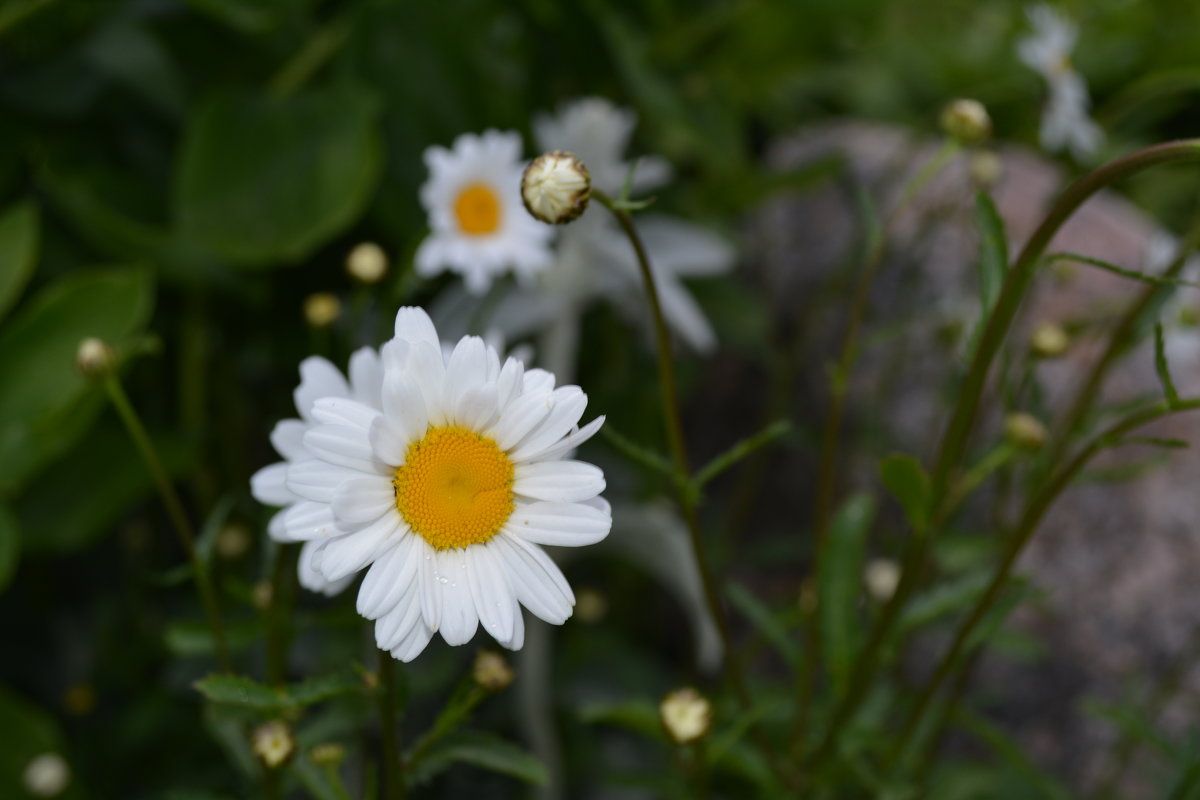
[318, 378]
[479, 227]
[447, 492]
[1066, 123]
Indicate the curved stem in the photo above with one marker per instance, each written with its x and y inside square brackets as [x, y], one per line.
[175, 512]
[674, 425]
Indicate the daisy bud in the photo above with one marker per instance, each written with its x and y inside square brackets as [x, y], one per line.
[590, 605]
[328, 755]
[367, 263]
[491, 671]
[556, 187]
[94, 358]
[1049, 340]
[261, 595]
[881, 576]
[46, 775]
[686, 715]
[322, 309]
[1025, 431]
[966, 121]
[233, 540]
[273, 743]
[985, 168]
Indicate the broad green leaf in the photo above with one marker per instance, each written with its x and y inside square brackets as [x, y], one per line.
[44, 402]
[10, 545]
[19, 229]
[265, 180]
[239, 690]
[767, 623]
[906, 479]
[839, 583]
[26, 732]
[483, 750]
[993, 250]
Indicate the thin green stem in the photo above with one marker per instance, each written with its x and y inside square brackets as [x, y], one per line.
[394, 787]
[687, 500]
[278, 617]
[323, 45]
[179, 519]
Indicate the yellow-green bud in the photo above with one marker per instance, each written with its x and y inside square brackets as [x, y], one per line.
[986, 168]
[367, 263]
[966, 121]
[1025, 431]
[322, 309]
[491, 671]
[233, 540]
[590, 605]
[273, 743]
[556, 187]
[1049, 340]
[94, 358]
[686, 715]
[330, 754]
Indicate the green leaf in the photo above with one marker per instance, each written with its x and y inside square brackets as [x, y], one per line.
[639, 716]
[26, 732]
[239, 690]
[767, 623]
[10, 545]
[484, 750]
[740, 450]
[267, 180]
[1013, 756]
[839, 583]
[1162, 368]
[942, 600]
[45, 404]
[130, 55]
[906, 479]
[993, 250]
[1140, 277]
[19, 229]
[193, 637]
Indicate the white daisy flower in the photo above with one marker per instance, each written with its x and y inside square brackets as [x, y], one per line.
[318, 378]
[446, 490]
[479, 227]
[1065, 120]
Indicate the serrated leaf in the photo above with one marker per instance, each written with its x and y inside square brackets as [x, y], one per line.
[19, 229]
[839, 583]
[264, 180]
[906, 479]
[483, 750]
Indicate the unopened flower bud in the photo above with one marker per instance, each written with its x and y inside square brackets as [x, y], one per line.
[985, 168]
[882, 576]
[686, 715]
[273, 743]
[590, 605]
[330, 754]
[491, 671]
[966, 121]
[94, 358]
[367, 263]
[46, 775]
[1049, 340]
[556, 187]
[322, 309]
[262, 594]
[1025, 431]
[233, 540]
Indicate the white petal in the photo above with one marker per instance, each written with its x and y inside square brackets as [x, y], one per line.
[318, 378]
[430, 588]
[562, 524]
[404, 405]
[567, 407]
[558, 481]
[521, 416]
[459, 618]
[466, 369]
[414, 325]
[426, 366]
[277, 526]
[493, 598]
[347, 554]
[363, 500]
[366, 376]
[509, 382]
[269, 485]
[305, 521]
[535, 579]
[388, 578]
[517, 641]
[397, 624]
[476, 408]
[569, 442]
[313, 580]
[288, 439]
[538, 380]
[413, 646]
[317, 480]
[346, 447]
[388, 444]
[344, 411]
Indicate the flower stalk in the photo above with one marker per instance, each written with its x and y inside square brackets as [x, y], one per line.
[394, 787]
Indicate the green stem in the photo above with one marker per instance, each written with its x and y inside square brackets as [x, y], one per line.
[323, 45]
[175, 512]
[394, 787]
[278, 617]
[687, 501]
[1028, 524]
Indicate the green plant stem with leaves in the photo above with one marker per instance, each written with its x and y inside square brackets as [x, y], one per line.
[178, 517]
[688, 499]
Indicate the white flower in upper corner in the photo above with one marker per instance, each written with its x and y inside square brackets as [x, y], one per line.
[1065, 120]
[447, 493]
[318, 379]
[479, 228]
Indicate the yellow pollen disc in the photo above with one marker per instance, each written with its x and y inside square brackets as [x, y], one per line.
[455, 487]
[477, 209]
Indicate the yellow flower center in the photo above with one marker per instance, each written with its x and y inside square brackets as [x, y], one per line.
[477, 209]
[455, 487]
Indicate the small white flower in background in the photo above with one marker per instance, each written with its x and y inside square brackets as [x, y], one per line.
[46, 775]
[367, 263]
[446, 489]
[686, 715]
[273, 743]
[479, 228]
[318, 378]
[882, 576]
[1066, 123]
